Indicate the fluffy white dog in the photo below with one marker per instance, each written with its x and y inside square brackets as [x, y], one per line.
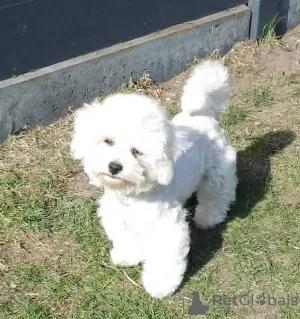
[150, 166]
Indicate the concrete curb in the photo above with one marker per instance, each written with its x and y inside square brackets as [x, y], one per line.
[41, 97]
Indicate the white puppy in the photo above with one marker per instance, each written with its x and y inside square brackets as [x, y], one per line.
[150, 166]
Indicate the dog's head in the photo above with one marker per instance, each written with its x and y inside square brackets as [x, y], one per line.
[125, 143]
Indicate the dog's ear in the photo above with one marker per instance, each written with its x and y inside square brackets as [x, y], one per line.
[83, 121]
[165, 165]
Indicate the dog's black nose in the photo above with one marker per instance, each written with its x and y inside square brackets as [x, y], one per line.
[115, 167]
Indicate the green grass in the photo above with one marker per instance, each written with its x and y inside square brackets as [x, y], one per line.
[233, 116]
[269, 31]
[54, 255]
[296, 92]
[172, 111]
[31, 309]
[259, 97]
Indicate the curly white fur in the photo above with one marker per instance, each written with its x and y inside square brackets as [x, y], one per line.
[159, 165]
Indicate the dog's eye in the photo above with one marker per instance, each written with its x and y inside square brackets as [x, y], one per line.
[108, 141]
[135, 152]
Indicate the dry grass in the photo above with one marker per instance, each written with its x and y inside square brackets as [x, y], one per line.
[241, 58]
[144, 85]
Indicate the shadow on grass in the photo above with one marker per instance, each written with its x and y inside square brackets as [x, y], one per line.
[254, 174]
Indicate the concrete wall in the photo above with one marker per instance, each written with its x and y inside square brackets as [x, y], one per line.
[263, 11]
[289, 13]
[293, 13]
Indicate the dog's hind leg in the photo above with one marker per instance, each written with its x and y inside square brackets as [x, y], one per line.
[216, 192]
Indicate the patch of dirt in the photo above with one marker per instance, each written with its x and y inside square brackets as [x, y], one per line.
[249, 63]
[172, 89]
[18, 246]
[223, 276]
[289, 197]
[279, 60]
[78, 185]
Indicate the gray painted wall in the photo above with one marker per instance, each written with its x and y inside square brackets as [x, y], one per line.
[287, 11]
[293, 17]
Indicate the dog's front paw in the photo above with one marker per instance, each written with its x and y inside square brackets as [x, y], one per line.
[160, 284]
[124, 257]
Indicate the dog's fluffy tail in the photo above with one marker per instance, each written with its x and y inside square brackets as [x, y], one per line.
[207, 91]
